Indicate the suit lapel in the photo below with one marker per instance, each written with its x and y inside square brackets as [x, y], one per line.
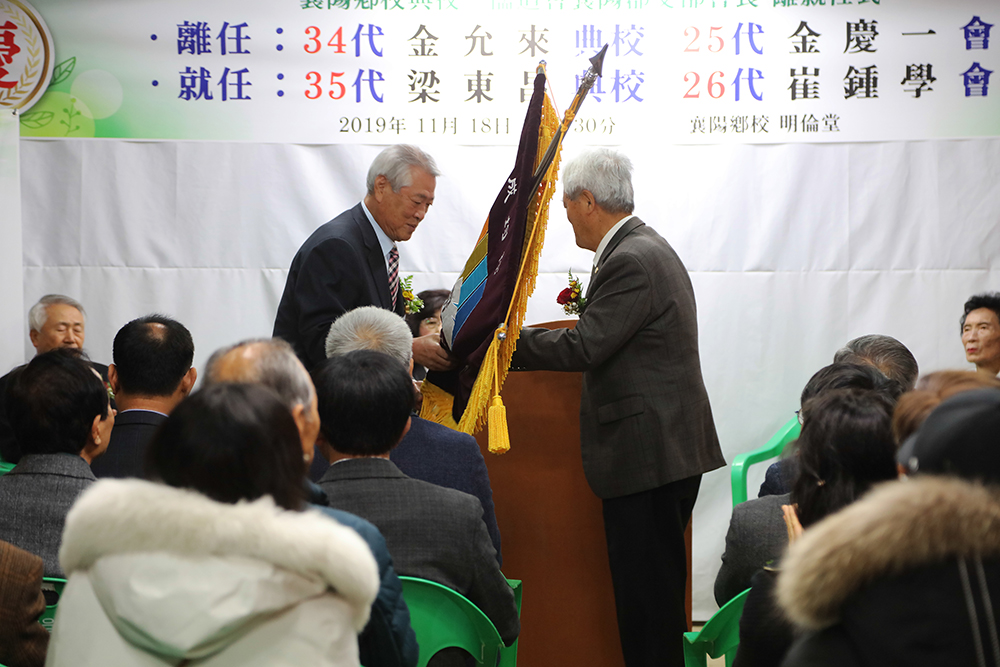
[376, 261]
[625, 230]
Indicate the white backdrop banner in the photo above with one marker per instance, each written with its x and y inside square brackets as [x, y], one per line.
[459, 71]
[12, 315]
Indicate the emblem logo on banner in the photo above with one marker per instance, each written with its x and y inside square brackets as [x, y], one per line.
[26, 51]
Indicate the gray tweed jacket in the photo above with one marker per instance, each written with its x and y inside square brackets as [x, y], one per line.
[757, 534]
[432, 532]
[34, 499]
[645, 419]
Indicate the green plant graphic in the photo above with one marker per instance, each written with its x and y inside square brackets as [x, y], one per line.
[71, 113]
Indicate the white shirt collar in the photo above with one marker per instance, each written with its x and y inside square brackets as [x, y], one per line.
[383, 240]
[602, 246]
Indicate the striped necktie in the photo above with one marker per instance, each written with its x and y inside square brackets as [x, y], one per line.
[393, 274]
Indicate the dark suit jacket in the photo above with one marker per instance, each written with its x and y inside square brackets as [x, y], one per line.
[34, 499]
[446, 457]
[432, 532]
[340, 267]
[757, 534]
[126, 452]
[23, 640]
[645, 419]
[387, 640]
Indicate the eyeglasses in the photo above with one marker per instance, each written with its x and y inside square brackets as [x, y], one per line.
[798, 415]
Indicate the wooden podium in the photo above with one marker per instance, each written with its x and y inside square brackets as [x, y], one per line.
[551, 525]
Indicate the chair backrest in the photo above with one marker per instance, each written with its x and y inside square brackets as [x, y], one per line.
[720, 636]
[52, 589]
[772, 448]
[442, 618]
[508, 654]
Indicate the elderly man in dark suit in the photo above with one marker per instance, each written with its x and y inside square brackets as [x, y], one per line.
[353, 260]
[646, 426]
[62, 419]
[433, 532]
[430, 452]
[150, 375]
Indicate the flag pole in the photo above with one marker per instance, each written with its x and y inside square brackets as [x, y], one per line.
[596, 67]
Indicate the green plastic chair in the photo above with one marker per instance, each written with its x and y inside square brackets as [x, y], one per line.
[720, 636]
[52, 589]
[508, 654]
[774, 447]
[442, 618]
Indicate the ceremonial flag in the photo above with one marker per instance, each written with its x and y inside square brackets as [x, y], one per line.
[483, 318]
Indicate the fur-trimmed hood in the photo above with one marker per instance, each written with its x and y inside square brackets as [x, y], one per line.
[225, 566]
[898, 527]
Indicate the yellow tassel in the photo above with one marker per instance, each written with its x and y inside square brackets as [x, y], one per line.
[499, 439]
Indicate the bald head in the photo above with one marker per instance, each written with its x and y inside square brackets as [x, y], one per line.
[272, 363]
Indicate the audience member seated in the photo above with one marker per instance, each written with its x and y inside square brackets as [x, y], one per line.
[846, 447]
[429, 451]
[433, 532]
[981, 332]
[914, 406]
[388, 640]
[55, 321]
[62, 420]
[150, 375]
[884, 353]
[427, 320]
[839, 375]
[23, 639]
[757, 532]
[909, 575]
[218, 564]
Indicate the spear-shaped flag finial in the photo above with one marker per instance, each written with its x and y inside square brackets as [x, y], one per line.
[586, 82]
[597, 62]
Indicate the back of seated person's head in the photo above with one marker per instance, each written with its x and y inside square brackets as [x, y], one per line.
[152, 355]
[231, 442]
[365, 399]
[371, 328]
[55, 402]
[267, 361]
[959, 438]
[885, 353]
[848, 375]
[846, 445]
[914, 406]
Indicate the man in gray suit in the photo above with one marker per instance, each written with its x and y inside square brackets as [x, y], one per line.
[62, 419]
[646, 426]
[429, 451]
[432, 532]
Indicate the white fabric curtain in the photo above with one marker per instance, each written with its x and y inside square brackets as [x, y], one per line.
[793, 250]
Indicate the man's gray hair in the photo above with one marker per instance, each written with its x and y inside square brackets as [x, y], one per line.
[884, 353]
[371, 328]
[606, 174]
[39, 312]
[275, 366]
[394, 163]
